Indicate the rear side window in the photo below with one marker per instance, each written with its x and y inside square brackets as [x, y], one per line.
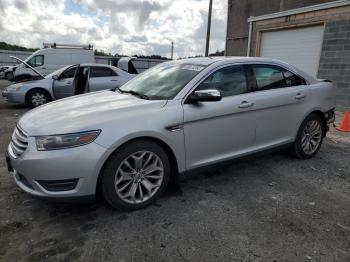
[272, 77]
[229, 81]
[102, 72]
[292, 79]
[268, 77]
[37, 60]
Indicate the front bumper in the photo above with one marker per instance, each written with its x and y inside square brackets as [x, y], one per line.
[14, 96]
[65, 173]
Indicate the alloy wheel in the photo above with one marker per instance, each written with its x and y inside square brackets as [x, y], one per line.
[38, 99]
[311, 137]
[139, 177]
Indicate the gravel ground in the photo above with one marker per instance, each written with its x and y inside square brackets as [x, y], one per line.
[265, 208]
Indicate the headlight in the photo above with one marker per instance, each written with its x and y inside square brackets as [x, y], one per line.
[65, 141]
[14, 87]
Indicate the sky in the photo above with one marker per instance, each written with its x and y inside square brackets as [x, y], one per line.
[129, 27]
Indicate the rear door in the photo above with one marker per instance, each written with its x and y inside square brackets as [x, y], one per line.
[64, 85]
[280, 99]
[102, 78]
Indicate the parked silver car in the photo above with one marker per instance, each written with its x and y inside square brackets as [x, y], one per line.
[173, 118]
[67, 81]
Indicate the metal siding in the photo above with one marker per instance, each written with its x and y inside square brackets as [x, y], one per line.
[299, 47]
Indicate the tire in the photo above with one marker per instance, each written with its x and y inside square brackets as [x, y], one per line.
[127, 181]
[38, 97]
[309, 138]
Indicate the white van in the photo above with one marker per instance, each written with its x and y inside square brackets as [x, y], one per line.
[53, 57]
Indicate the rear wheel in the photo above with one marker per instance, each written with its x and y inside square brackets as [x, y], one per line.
[38, 97]
[135, 175]
[309, 138]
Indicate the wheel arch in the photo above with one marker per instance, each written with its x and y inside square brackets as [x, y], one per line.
[323, 118]
[318, 112]
[170, 152]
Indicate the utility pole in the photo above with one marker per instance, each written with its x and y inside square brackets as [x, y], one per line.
[172, 50]
[208, 28]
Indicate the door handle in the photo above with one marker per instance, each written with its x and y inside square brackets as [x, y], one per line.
[300, 96]
[246, 104]
[114, 80]
[68, 82]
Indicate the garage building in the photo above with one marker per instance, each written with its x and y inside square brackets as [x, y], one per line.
[313, 35]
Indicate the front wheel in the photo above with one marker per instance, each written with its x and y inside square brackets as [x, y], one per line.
[309, 137]
[38, 97]
[135, 175]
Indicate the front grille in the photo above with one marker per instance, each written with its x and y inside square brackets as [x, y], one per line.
[19, 142]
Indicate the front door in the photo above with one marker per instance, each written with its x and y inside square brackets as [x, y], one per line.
[64, 85]
[216, 131]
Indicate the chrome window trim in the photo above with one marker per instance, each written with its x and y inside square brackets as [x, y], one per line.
[242, 64]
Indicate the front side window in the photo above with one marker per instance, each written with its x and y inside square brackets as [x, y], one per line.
[69, 73]
[36, 61]
[272, 77]
[164, 81]
[98, 71]
[229, 81]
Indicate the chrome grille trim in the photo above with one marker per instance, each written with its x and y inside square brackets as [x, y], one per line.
[21, 135]
[19, 142]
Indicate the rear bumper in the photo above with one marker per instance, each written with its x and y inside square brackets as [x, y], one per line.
[330, 116]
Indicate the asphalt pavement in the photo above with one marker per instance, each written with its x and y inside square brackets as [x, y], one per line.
[270, 207]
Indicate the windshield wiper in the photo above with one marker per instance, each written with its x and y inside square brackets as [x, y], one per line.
[132, 92]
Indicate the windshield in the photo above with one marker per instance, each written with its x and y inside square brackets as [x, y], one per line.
[163, 81]
[57, 72]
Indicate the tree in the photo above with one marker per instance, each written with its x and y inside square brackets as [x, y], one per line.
[6, 46]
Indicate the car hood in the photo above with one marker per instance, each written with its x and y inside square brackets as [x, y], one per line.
[84, 112]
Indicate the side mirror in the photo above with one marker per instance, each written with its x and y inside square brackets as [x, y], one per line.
[209, 95]
[55, 77]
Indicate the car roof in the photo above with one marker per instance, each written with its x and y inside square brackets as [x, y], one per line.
[222, 60]
[94, 64]
[229, 59]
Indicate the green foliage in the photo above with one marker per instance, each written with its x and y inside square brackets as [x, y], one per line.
[151, 57]
[102, 53]
[6, 46]
[218, 53]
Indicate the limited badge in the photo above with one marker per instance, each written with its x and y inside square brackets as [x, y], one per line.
[193, 67]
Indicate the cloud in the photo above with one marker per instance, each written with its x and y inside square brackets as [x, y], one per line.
[123, 26]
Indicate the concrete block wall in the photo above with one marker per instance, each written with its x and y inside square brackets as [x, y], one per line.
[335, 59]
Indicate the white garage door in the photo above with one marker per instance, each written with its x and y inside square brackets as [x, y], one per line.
[300, 47]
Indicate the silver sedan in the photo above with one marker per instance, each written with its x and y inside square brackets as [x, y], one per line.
[67, 81]
[176, 117]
